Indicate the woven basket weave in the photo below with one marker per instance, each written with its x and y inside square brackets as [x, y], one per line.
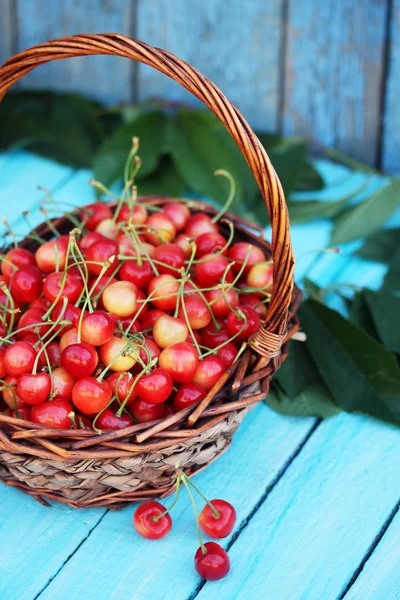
[82, 469]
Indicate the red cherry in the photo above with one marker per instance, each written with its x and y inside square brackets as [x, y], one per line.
[122, 384]
[210, 243]
[152, 349]
[71, 313]
[214, 564]
[163, 291]
[227, 353]
[80, 360]
[188, 394]
[26, 285]
[151, 317]
[10, 396]
[168, 410]
[30, 321]
[52, 414]
[59, 285]
[221, 303]
[254, 302]
[160, 229]
[94, 213]
[155, 387]
[137, 214]
[169, 330]
[178, 212]
[82, 422]
[99, 253]
[213, 337]
[101, 284]
[180, 360]
[198, 224]
[15, 259]
[24, 412]
[90, 396]
[40, 303]
[139, 274]
[62, 383]
[171, 256]
[236, 324]
[97, 328]
[197, 312]
[238, 252]
[144, 412]
[209, 371]
[220, 526]
[210, 270]
[34, 389]
[89, 239]
[3, 370]
[147, 523]
[19, 358]
[52, 254]
[109, 420]
[53, 352]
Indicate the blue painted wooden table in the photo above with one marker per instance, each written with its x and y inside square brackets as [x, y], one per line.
[317, 501]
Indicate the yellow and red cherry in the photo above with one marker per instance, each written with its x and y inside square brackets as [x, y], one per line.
[120, 298]
[160, 229]
[69, 337]
[169, 330]
[51, 255]
[109, 351]
[93, 214]
[261, 277]
[180, 360]
[10, 394]
[196, 311]
[136, 215]
[198, 224]
[108, 228]
[97, 328]
[183, 241]
[62, 383]
[179, 214]
[90, 395]
[163, 291]
[122, 386]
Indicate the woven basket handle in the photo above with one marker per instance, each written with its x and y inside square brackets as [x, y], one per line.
[269, 337]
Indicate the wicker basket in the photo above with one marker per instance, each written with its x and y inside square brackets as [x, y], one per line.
[82, 469]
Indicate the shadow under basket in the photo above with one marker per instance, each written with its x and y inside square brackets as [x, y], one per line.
[84, 469]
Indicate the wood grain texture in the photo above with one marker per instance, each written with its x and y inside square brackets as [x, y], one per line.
[236, 44]
[104, 78]
[380, 575]
[334, 70]
[391, 123]
[6, 29]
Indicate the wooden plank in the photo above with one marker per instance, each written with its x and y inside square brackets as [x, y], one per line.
[6, 30]
[236, 44]
[379, 577]
[311, 533]
[391, 140]
[105, 78]
[119, 565]
[334, 71]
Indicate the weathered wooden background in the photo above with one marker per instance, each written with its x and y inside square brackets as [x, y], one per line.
[329, 70]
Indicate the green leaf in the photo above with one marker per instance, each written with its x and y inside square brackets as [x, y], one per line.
[312, 289]
[368, 216]
[359, 372]
[110, 159]
[361, 316]
[165, 181]
[391, 283]
[297, 371]
[385, 309]
[199, 146]
[309, 178]
[269, 140]
[313, 401]
[380, 246]
[289, 159]
[64, 127]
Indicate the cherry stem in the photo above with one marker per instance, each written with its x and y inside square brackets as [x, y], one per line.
[196, 515]
[146, 369]
[175, 500]
[12, 309]
[231, 196]
[215, 512]
[10, 231]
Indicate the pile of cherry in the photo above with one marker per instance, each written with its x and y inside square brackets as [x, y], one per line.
[131, 317]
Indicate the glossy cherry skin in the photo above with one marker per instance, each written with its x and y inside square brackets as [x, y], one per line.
[210, 243]
[238, 326]
[179, 214]
[70, 313]
[152, 349]
[171, 256]
[109, 420]
[58, 286]
[100, 252]
[163, 291]
[212, 337]
[184, 243]
[180, 360]
[151, 317]
[80, 360]
[26, 284]
[90, 396]
[227, 353]
[155, 387]
[145, 523]
[214, 564]
[160, 230]
[101, 284]
[253, 301]
[30, 321]
[62, 383]
[137, 214]
[143, 412]
[19, 358]
[50, 254]
[139, 274]
[221, 303]
[23, 412]
[220, 526]
[53, 352]
[97, 328]
[3, 370]
[15, 259]
[10, 396]
[169, 330]
[120, 298]
[260, 276]
[94, 213]
[68, 338]
[107, 228]
[209, 371]
[34, 389]
[238, 252]
[188, 394]
[210, 270]
[89, 239]
[109, 351]
[198, 224]
[53, 414]
[122, 384]
[197, 311]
